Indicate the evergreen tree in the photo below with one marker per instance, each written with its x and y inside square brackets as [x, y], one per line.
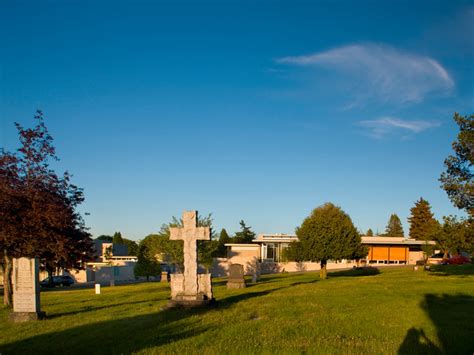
[246, 235]
[223, 239]
[421, 220]
[394, 227]
[370, 233]
[457, 180]
[327, 234]
[117, 239]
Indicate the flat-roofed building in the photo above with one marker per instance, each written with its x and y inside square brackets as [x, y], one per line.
[270, 249]
[394, 250]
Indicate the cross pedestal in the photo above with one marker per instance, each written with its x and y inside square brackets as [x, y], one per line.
[190, 289]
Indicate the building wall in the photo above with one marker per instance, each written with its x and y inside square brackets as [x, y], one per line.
[388, 253]
[244, 254]
[414, 256]
[292, 266]
[104, 274]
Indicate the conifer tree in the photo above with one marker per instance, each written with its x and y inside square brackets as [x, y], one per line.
[394, 227]
[117, 239]
[421, 220]
[457, 180]
[223, 239]
[246, 235]
[370, 233]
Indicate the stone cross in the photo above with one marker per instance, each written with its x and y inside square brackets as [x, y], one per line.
[190, 234]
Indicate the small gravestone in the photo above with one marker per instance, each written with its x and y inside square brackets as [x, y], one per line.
[97, 289]
[164, 276]
[26, 290]
[236, 276]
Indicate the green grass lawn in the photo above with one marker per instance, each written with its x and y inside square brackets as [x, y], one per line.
[396, 310]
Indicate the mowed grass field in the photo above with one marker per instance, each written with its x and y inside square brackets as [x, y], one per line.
[396, 310]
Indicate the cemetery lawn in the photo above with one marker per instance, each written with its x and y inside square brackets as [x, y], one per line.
[394, 310]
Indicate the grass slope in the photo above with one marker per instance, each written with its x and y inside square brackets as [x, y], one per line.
[396, 310]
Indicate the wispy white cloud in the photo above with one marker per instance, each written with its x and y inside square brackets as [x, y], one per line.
[381, 71]
[384, 126]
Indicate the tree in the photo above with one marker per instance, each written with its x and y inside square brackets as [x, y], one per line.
[457, 180]
[246, 235]
[105, 238]
[224, 238]
[454, 236]
[327, 234]
[147, 264]
[370, 233]
[38, 208]
[117, 238]
[171, 251]
[132, 246]
[394, 227]
[421, 220]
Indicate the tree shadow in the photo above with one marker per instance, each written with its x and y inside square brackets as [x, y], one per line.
[87, 309]
[131, 334]
[453, 317]
[448, 270]
[360, 271]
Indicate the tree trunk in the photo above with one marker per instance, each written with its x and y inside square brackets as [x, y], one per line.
[7, 280]
[446, 254]
[50, 276]
[323, 272]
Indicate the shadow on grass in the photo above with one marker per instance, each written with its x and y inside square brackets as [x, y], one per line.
[361, 271]
[448, 270]
[131, 334]
[453, 317]
[92, 309]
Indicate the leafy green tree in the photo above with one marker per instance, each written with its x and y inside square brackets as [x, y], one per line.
[105, 238]
[171, 251]
[327, 234]
[421, 220]
[394, 227]
[224, 238]
[206, 252]
[117, 239]
[454, 236]
[38, 208]
[370, 233]
[246, 235]
[457, 180]
[147, 264]
[132, 246]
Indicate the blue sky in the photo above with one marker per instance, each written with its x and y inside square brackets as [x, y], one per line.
[254, 110]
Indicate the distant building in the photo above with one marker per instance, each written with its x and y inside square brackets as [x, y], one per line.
[394, 250]
[269, 251]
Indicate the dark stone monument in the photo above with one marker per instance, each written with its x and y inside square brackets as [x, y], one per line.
[236, 276]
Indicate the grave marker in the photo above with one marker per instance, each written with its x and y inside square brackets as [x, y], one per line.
[26, 290]
[236, 276]
[190, 288]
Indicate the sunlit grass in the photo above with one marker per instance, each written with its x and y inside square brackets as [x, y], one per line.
[397, 309]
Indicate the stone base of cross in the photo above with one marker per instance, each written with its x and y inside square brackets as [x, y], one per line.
[190, 288]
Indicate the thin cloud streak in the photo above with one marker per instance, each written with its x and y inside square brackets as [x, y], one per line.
[381, 127]
[383, 72]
